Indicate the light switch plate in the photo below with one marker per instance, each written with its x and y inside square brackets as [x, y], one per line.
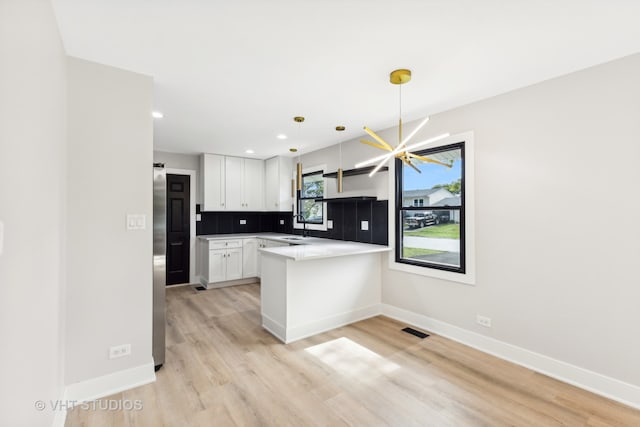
[136, 221]
[330, 224]
[198, 217]
[364, 225]
[243, 222]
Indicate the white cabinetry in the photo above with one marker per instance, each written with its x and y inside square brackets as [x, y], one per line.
[278, 174]
[244, 184]
[250, 258]
[212, 180]
[227, 262]
[222, 261]
[264, 243]
[231, 183]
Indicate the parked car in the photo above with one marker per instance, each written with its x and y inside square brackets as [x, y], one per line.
[420, 219]
[442, 217]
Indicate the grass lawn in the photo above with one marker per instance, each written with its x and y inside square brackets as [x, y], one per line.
[414, 252]
[442, 231]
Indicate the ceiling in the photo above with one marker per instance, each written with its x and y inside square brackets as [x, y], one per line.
[231, 75]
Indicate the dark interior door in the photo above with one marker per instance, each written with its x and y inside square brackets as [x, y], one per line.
[178, 229]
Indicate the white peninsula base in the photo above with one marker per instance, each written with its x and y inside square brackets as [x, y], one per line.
[303, 297]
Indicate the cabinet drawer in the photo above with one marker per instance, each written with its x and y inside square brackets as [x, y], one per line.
[237, 243]
[217, 244]
[224, 244]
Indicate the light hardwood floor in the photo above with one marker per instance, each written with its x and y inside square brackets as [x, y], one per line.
[223, 369]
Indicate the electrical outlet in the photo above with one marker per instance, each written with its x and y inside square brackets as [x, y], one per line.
[119, 351]
[330, 224]
[243, 222]
[364, 225]
[483, 321]
[198, 217]
[282, 222]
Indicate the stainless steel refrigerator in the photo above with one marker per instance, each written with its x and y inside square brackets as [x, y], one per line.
[159, 261]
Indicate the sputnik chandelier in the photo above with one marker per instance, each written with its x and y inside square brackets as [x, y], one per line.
[402, 151]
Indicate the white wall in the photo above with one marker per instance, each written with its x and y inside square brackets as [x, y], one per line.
[32, 188]
[109, 292]
[555, 262]
[352, 152]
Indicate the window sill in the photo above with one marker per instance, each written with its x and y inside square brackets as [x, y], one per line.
[310, 226]
[464, 278]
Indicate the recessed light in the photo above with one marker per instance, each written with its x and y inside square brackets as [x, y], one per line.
[157, 115]
[249, 151]
[281, 136]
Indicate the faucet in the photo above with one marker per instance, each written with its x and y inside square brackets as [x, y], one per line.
[300, 218]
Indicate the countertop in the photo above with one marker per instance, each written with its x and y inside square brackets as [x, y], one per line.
[323, 248]
[304, 248]
[278, 237]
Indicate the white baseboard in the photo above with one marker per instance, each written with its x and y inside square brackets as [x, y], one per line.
[60, 417]
[594, 382]
[275, 328]
[299, 332]
[227, 283]
[106, 385]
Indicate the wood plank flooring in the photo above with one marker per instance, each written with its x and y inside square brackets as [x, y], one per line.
[223, 369]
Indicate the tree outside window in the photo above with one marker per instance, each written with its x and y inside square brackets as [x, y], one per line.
[312, 189]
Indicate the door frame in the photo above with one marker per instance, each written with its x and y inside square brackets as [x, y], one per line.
[192, 218]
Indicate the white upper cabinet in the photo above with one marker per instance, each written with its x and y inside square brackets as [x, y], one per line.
[253, 185]
[278, 174]
[244, 184]
[231, 183]
[212, 186]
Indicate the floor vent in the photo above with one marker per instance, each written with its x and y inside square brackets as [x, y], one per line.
[201, 288]
[415, 332]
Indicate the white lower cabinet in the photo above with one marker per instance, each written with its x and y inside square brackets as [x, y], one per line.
[250, 258]
[231, 259]
[264, 243]
[222, 261]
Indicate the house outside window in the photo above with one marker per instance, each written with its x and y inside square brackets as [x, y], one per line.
[312, 188]
[430, 211]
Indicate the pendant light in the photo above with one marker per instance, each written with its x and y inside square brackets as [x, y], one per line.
[299, 120]
[293, 181]
[401, 151]
[340, 129]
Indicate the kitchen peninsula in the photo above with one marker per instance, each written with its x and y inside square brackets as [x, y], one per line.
[318, 284]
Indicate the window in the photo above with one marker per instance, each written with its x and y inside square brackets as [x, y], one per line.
[312, 189]
[430, 210]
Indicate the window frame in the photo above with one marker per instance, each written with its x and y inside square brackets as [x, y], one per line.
[469, 277]
[301, 199]
[299, 225]
[399, 171]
